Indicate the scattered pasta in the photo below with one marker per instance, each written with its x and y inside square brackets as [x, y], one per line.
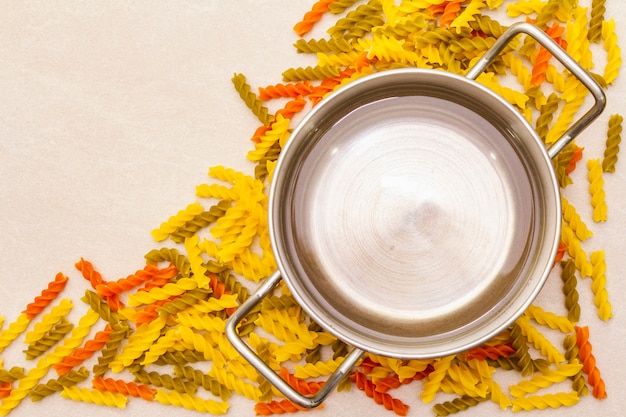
[164, 324]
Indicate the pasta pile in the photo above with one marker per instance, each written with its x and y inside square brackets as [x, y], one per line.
[159, 332]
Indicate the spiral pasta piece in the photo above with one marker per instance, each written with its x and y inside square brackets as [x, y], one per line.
[449, 386]
[520, 344]
[569, 290]
[362, 13]
[176, 221]
[202, 344]
[432, 384]
[87, 351]
[276, 407]
[302, 386]
[14, 330]
[598, 287]
[311, 17]
[41, 391]
[285, 90]
[49, 320]
[138, 343]
[179, 261]
[126, 284]
[12, 374]
[572, 356]
[551, 377]
[230, 225]
[309, 73]
[485, 373]
[338, 59]
[328, 85]
[339, 6]
[614, 53]
[549, 319]
[217, 191]
[512, 96]
[575, 93]
[571, 216]
[212, 304]
[468, 14]
[314, 370]
[89, 273]
[196, 262]
[589, 363]
[564, 163]
[542, 402]
[104, 311]
[109, 352]
[384, 399]
[264, 350]
[87, 395]
[25, 384]
[160, 294]
[521, 71]
[123, 387]
[543, 57]
[202, 379]
[160, 346]
[613, 140]
[364, 26]
[539, 340]
[245, 239]
[200, 221]
[75, 339]
[278, 132]
[236, 384]
[239, 368]
[524, 7]
[384, 48]
[318, 45]
[456, 405]
[191, 402]
[49, 340]
[597, 17]
[35, 374]
[166, 381]
[596, 189]
[450, 12]
[463, 380]
[581, 260]
[291, 324]
[201, 322]
[180, 358]
[491, 352]
[185, 301]
[47, 296]
[250, 99]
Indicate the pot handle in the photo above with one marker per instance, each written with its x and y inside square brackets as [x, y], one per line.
[264, 369]
[565, 59]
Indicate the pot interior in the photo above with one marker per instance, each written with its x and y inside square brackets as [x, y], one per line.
[414, 214]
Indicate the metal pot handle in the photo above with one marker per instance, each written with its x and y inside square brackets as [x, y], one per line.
[565, 59]
[267, 372]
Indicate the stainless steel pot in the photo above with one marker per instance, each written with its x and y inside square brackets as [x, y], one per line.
[414, 214]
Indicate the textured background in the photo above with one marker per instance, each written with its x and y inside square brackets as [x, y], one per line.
[111, 113]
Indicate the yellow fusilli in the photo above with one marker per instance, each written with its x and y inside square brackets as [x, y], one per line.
[601, 296]
[596, 189]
